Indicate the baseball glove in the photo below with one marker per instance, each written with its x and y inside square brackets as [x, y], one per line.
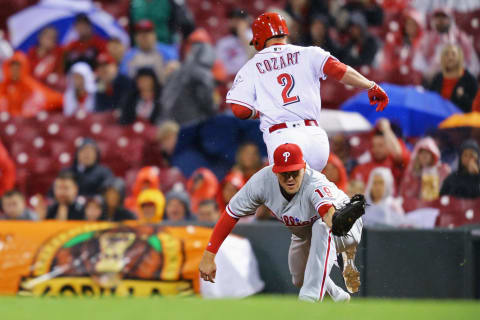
[344, 218]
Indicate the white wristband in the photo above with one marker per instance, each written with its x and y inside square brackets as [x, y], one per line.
[373, 85]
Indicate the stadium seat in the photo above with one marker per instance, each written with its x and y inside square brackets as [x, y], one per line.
[455, 212]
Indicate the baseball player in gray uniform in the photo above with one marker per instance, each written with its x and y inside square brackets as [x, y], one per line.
[306, 202]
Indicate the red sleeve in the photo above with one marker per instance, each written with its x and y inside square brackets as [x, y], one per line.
[222, 229]
[243, 112]
[7, 171]
[334, 68]
[322, 210]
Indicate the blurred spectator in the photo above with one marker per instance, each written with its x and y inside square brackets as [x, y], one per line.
[455, 83]
[355, 187]
[340, 145]
[294, 22]
[188, 95]
[112, 87]
[159, 151]
[46, 59]
[148, 53]
[178, 206]
[116, 49]
[248, 160]
[202, 185]
[94, 207]
[151, 205]
[6, 51]
[167, 15]
[372, 11]
[208, 211]
[147, 178]
[143, 102]
[383, 208]
[465, 182]
[15, 208]
[319, 36]
[114, 195]
[7, 170]
[20, 94]
[80, 92]
[335, 172]
[386, 151]
[234, 49]
[362, 46]
[89, 173]
[396, 57]
[230, 185]
[88, 45]
[66, 205]
[425, 173]
[444, 31]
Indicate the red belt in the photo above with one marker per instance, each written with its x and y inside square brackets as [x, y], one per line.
[278, 126]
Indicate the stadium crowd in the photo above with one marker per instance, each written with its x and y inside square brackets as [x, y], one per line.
[106, 96]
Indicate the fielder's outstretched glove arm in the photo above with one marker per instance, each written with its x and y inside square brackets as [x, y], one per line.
[344, 218]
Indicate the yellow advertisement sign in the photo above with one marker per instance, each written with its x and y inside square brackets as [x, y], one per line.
[96, 259]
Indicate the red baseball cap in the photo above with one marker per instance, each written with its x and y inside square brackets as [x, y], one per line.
[288, 157]
[144, 25]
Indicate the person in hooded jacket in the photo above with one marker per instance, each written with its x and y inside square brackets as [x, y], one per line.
[188, 95]
[151, 206]
[21, 94]
[89, 173]
[114, 196]
[424, 175]
[465, 182]
[335, 172]
[383, 208]
[178, 206]
[147, 178]
[231, 184]
[80, 92]
[202, 185]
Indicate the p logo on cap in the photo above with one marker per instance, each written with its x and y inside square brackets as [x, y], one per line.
[288, 157]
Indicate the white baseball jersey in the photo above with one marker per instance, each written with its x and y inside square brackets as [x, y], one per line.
[282, 82]
[301, 211]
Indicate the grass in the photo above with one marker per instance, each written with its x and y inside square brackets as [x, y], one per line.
[262, 307]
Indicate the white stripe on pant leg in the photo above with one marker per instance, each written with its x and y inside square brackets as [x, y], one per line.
[320, 260]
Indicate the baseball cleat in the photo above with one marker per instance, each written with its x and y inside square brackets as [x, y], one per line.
[351, 275]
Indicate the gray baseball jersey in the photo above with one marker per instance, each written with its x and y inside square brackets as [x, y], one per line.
[301, 211]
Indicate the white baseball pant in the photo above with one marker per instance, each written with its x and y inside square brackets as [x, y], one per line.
[312, 140]
[310, 259]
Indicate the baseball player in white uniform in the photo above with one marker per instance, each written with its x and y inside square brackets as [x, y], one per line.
[281, 86]
[305, 201]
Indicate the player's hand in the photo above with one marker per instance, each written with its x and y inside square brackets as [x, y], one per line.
[207, 267]
[378, 96]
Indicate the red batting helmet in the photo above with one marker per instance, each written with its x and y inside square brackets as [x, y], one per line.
[266, 26]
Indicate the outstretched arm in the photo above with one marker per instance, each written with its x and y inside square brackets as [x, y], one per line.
[349, 76]
[224, 226]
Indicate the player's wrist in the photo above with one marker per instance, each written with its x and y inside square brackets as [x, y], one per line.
[209, 255]
[372, 84]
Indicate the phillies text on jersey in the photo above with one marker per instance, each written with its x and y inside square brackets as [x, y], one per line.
[282, 82]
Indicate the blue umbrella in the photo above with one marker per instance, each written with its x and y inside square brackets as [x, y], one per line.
[25, 25]
[415, 109]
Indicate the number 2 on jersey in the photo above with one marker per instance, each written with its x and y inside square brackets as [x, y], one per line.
[287, 82]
